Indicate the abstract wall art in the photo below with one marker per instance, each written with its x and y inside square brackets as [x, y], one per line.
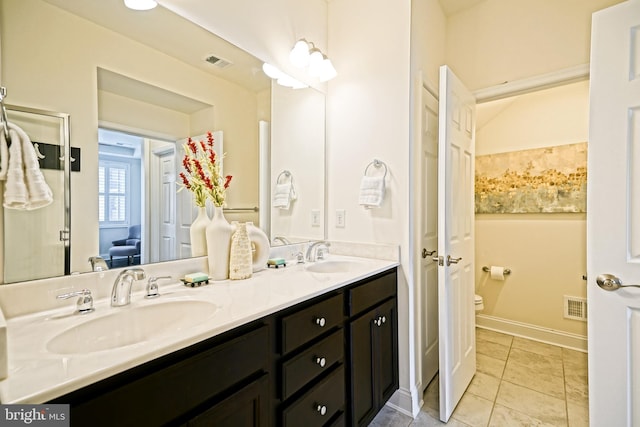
[542, 180]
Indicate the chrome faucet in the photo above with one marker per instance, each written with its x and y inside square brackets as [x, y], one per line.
[121, 292]
[98, 263]
[316, 251]
[283, 240]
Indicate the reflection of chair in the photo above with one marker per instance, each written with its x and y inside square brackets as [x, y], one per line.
[129, 247]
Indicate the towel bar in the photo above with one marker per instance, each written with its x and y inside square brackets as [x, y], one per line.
[376, 163]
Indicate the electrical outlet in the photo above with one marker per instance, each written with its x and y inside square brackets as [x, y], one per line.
[340, 218]
[315, 217]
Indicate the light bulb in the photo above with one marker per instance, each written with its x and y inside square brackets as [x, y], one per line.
[327, 71]
[315, 63]
[140, 4]
[271, 71]
[299, 55]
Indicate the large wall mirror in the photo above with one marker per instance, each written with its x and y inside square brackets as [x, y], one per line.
[137, 84]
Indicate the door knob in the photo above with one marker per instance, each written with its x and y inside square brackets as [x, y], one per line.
[609, 282]
[452, 260]
[426, 253]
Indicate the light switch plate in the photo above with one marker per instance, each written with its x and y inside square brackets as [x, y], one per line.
[315, 217]
[340, 218]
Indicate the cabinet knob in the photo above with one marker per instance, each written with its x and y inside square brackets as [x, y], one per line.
[321, 321]
[322, 409]
[377, 321]
[384, 319]
[321, 361]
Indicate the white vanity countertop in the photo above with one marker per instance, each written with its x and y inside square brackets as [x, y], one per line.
[37, 375]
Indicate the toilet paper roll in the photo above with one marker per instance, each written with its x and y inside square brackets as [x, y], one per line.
[497, 272]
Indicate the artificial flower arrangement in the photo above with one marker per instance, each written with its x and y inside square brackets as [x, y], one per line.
[202, 172]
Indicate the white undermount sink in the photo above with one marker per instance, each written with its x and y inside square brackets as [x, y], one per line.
[131, 325]
[332, 266]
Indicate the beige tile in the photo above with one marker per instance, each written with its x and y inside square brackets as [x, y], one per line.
[426, 419]
[497, 337]
[388, 417]
[574, 357]
[578, 415]
[489, 365]
[505, 417]
[484, 386]
[577, 388]
[473, 410]
[533, 377]
[492, 349]
[547, 409]
[537, 362]
[431, 395]
[540, 348]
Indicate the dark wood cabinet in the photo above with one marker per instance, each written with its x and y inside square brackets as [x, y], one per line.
[373, 356]
[329, 361]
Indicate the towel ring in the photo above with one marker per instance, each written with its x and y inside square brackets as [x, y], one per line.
[286, 174]
[377, 163]
[3, 113]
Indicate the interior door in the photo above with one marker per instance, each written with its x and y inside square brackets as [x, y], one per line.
[613, 217]
[428, 236]
[456, 286]
[167, 207]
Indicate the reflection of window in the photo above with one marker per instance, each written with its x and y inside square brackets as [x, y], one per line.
[113, 183]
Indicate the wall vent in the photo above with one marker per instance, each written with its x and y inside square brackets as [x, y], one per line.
[218, 62]
[575, 308]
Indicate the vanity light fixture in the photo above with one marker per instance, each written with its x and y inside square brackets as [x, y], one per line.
[305, 54]
[140, 4]
[281, 78]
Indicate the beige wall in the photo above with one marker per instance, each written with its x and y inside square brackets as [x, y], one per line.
[546, 252]
[500, 41]
[41, 68]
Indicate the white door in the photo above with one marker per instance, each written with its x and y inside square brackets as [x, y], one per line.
[161, 211]
[456, 287]
[613, 217]
[428, 236]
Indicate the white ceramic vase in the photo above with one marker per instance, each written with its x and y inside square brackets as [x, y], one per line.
[240, 258]
[198, 233]
[219, 233]
[261, 246]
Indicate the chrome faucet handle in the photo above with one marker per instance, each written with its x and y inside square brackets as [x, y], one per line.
[300, 258]
[322, 252]
[85, 302]
[152, 286]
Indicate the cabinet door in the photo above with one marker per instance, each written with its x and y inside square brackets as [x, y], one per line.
[386, 350]
[361, 342]
[374, 361]
[248, 407]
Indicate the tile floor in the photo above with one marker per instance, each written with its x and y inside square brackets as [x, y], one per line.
[518, 382]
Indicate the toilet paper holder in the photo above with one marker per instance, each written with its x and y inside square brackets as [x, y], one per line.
[488, 269]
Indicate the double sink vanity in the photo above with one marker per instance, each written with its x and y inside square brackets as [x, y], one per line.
[310, 344]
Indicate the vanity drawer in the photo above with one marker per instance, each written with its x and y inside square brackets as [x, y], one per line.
[174, 389]
[316, 407]
[312, 362]
[309, 323]
[372, 292]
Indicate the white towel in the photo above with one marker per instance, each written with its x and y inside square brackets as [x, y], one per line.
[283, 195]
[26, 187]
[371, 191]
[4, 155]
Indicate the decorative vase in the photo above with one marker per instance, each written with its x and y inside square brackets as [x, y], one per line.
[198, 233]
[240, 258]
[261, 246]
[219, 233]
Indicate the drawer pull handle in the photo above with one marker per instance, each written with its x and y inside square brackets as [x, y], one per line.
[384, 319]
[321, 321]
[321, 361]
[322, 409]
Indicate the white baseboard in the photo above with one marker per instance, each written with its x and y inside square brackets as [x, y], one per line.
[403, 401]
[532, 332]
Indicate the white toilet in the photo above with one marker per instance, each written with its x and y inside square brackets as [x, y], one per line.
[479, 303]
